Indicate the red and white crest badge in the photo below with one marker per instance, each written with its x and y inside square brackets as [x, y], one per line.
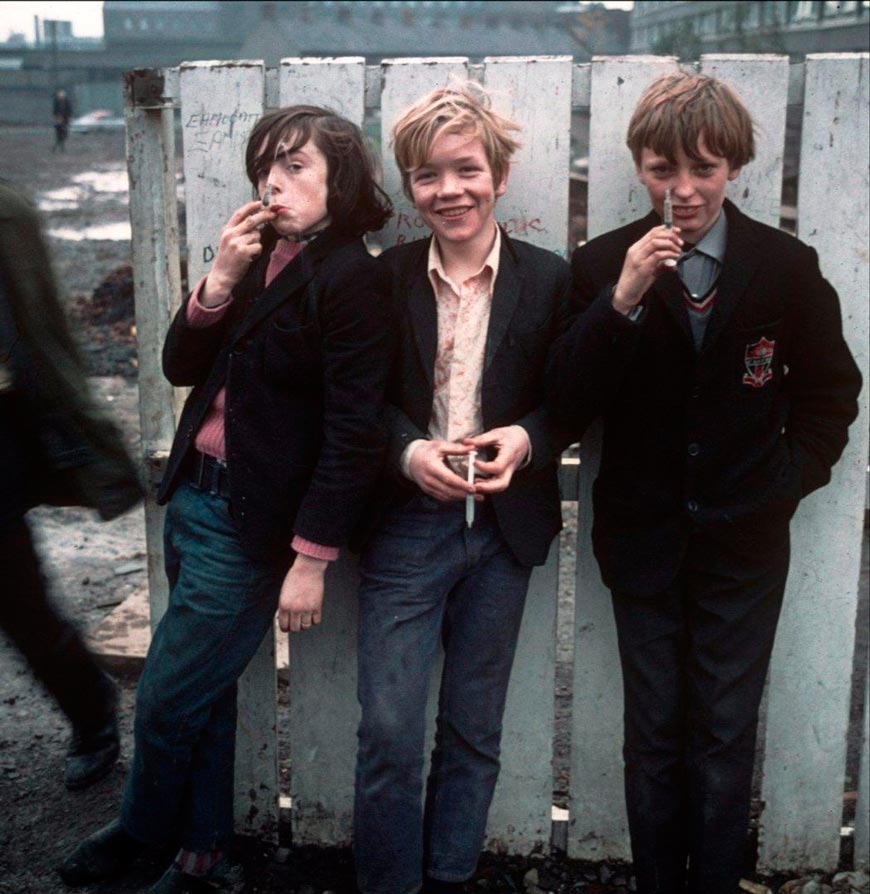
[758, 358]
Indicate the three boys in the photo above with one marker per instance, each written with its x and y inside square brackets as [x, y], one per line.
[726, 390]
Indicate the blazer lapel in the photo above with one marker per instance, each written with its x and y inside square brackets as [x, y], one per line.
[506, 295]
[295, 276]
[423, 315]
[743, 254]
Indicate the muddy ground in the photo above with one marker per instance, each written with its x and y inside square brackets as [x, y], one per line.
[94, 566]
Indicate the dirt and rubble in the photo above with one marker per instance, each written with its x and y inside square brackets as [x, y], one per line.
[93, 567]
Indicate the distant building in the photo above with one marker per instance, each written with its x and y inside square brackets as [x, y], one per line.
[148, 34]
[795, 27]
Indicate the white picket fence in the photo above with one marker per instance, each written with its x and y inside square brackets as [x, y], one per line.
[807, 713]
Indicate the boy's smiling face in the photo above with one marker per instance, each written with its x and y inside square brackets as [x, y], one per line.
[454, 190]
[697, 187]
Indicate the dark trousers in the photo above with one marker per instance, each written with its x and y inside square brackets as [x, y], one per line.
[694, 661]
[50, 643]
[427, 577]
[221, 605]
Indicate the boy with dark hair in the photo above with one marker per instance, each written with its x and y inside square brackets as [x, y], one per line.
[713, 350]
[476, 312]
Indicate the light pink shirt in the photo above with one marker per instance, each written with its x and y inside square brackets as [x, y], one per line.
[211, 438]
[463, 320]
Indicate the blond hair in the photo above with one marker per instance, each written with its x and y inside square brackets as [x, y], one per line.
[677, 110]
[459, 108]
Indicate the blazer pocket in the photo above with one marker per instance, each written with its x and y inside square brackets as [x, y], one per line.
[291, 357]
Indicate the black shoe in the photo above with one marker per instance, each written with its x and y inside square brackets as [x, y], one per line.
[105, 854]
[91, 755]
[226, 877]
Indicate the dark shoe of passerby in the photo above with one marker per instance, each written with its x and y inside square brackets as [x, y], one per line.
[95, 744]
[225, 877]
[91, 755]
[107, 853]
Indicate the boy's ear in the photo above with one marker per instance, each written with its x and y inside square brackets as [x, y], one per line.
[733, 173]
[501, 189]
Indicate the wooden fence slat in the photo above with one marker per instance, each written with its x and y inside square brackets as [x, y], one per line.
[157, 287]
[536, 93]
[761, 82]
[323, 707]
[599, 826]
[862, 808]
[811, 667]
[337, 84]
[404, 81]
[220, 103]
[615, 196]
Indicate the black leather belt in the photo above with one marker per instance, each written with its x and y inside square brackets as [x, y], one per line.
[208, 473]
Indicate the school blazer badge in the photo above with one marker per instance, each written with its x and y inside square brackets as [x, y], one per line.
[758, 358]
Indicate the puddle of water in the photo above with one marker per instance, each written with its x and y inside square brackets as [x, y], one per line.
[104, 181]
[111, 232]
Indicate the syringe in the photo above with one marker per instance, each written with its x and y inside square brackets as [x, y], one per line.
[668, 216]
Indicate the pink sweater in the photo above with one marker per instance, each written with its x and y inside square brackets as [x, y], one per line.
[210, 438]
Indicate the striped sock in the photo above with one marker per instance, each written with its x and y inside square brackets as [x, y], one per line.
[198, 862]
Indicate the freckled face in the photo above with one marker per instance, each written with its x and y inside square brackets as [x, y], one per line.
[454, 190]
[697, 187]
[299, 189]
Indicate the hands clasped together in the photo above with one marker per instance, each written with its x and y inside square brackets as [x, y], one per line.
[428, 466]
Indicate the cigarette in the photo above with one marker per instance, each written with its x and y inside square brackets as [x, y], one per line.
[267, 196]
[669, 222]
[469, 498]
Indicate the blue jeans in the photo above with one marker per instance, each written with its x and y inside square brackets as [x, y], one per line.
[221, 604]
[427, 576]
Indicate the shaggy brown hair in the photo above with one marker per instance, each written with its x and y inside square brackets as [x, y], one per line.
[676, 110]
[355, 202]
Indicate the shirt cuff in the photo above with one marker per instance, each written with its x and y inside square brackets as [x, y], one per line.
[198, 315]
[405, 461]
[314, 550]
[528, 458]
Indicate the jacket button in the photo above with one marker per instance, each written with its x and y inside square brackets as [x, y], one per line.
[693, 506]
[694, 449]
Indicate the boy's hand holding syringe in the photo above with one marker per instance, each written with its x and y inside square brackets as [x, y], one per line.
[508, 446]
[653, 254]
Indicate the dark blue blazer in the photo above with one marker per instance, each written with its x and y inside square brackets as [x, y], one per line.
[304, 362]
[728, 438]
[530, 307]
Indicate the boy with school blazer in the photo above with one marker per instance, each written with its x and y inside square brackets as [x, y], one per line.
[713, 351]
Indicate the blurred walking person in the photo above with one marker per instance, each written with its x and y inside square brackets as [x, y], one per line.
[54, 448]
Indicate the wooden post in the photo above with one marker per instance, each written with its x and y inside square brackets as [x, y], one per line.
[810, 672]
[148, 115]
[220, 103]
[599, 828]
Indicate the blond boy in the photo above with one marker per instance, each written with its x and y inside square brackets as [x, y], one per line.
[476, 312]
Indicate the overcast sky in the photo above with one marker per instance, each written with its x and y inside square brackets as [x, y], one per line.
[87, 17]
